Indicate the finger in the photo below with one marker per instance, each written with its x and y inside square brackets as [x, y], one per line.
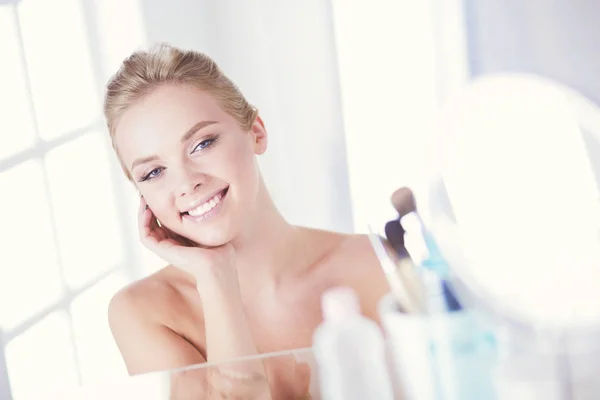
[165, 249]
[144, 219]
[178, 238]
[177, 255]
[155, 237]
[143, 206]
[146, 223]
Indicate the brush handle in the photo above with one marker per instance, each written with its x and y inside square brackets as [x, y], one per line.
[401, 276]
[394, 232]
[451, 301]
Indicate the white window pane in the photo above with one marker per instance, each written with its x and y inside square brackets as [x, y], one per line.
[99, 357]
[120, 30]
[58, 56]
[16, 127]
[42, 358]
[84, 204]
[30, 275]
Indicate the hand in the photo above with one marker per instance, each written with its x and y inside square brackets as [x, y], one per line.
[204, 264]
[288, 377]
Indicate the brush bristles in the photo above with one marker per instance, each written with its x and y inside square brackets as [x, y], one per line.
[403, 201]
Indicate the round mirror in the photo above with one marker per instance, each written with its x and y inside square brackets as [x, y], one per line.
[514, 200]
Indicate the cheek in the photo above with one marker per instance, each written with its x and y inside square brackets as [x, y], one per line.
[243, 168]
[158, 203]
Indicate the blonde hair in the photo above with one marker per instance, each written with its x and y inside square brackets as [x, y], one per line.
[144, 71]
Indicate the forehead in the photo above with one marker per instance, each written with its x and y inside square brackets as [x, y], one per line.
[162, 117]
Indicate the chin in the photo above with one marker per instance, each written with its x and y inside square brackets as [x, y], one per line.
[211, 239]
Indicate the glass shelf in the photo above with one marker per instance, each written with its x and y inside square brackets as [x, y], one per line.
[295, 379]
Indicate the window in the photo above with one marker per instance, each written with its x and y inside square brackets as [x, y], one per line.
[67, 243]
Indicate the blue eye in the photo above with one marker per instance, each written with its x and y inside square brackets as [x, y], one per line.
[152, 174]
[204, 144]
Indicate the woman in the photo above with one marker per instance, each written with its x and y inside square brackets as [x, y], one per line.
[241, 280]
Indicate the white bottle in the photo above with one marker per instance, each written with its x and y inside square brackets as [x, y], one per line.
[350, 351]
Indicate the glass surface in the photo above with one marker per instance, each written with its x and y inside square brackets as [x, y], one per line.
[295, 379]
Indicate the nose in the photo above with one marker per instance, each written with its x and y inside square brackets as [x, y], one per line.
[188, 181]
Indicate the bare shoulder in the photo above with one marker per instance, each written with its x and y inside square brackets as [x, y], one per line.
[145, 299]
[351, 261]
[357, 245]
[350, 251]
[353, 250]
[364, 272]
[142, 318]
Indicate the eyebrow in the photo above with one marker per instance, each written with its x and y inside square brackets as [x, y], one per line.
[188, 134]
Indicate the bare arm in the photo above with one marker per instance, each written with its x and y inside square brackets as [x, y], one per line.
[228, 337]
[146, 345]
[228, 334]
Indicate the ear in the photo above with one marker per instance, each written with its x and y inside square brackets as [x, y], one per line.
[259, 136]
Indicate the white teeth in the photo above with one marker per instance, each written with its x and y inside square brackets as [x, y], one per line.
[205, 207]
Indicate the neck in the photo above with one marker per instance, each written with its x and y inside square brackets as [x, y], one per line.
[262, 248]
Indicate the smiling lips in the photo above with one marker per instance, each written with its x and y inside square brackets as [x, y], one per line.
[207, 206]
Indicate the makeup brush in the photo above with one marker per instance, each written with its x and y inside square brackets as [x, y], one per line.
[417, 240]
[403, 201]
[404, 263]
[410, 224]
[403, 285]
[422, 249]
[395, 235]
